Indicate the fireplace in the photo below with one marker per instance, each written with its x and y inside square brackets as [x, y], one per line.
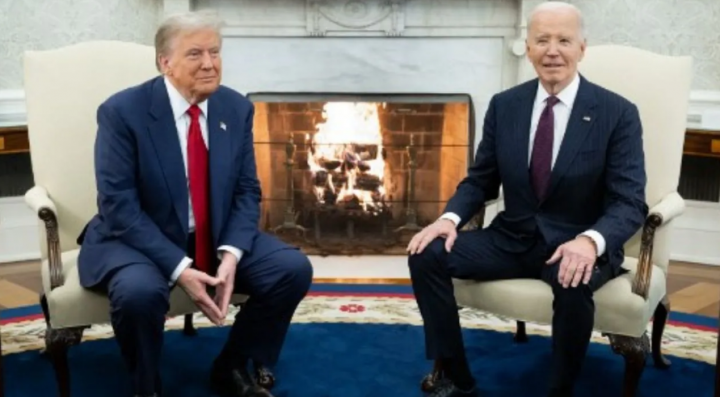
[358, 174]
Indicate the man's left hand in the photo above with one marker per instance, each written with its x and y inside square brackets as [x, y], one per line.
[578, 261]
[226, 273]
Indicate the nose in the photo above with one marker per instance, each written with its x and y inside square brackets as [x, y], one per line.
[207, 61]
[552, 49]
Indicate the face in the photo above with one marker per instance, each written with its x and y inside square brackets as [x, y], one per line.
[555, 46]
[194, 64]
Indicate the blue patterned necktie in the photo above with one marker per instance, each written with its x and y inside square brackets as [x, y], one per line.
[542, 153]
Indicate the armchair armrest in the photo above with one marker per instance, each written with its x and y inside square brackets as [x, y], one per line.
[477, 221]
[670, 207]
[38, 200]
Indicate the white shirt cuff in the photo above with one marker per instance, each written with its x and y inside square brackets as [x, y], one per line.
[238, 253]
[598, 239]
[184, 264]
[451, 217]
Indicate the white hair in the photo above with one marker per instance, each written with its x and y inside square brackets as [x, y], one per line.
[186, 22]
[555, 6]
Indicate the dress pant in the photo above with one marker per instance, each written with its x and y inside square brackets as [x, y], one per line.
[476, 255]
[139, 300]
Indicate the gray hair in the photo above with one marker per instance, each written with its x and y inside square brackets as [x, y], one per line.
[558, 5]
[192, 21]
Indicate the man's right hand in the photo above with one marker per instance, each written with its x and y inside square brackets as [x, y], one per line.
[195, 283]
[440, 228]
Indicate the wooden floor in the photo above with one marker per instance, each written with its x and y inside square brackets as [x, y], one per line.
[693, 288]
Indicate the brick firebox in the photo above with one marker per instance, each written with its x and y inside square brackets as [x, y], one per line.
[438, 132]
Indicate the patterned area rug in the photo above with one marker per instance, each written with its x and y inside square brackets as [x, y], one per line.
[357, 341]
[687, 336]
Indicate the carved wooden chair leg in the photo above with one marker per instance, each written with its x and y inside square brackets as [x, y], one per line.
[57, 344]
[430, 381]
[264, 376]
[634, 351]
[659, 320]
[520, 333]
[189, 327]
[46, 314]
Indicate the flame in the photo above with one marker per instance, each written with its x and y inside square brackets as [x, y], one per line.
[346, 156]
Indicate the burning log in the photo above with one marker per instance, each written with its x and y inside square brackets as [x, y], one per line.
[368, 182]
[351, 202]
[330, 165]
[329, 196]
[339, 179]
[321, 178]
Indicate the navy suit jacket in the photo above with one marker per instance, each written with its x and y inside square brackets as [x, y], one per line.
[143, 190]
[598, 180]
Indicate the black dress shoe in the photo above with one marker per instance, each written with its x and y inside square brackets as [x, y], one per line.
[236, 382]
[446, 388]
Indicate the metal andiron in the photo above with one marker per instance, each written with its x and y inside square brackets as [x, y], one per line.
[290, 221]
[411, 224]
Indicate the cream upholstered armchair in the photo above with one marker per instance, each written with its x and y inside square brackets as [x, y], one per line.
[660, 87]
[63, 89]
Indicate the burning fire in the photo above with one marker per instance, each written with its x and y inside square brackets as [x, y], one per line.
[347, 158]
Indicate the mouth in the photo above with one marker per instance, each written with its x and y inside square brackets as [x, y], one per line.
[552, 66]
[207, 78]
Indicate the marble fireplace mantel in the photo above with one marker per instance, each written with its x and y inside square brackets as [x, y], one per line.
[469, 47]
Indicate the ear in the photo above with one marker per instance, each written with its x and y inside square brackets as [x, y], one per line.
[163, 64]
[527, 49]
[583, 46]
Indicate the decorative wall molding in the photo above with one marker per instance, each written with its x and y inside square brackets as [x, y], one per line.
[12, 108]
[13, 113]
[385, 16]
[365, 18]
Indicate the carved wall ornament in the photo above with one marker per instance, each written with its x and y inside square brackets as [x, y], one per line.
[332, 16]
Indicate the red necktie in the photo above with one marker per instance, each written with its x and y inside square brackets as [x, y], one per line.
[541, 160]
[199, 190]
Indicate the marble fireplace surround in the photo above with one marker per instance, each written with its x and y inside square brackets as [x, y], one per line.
[369, 46]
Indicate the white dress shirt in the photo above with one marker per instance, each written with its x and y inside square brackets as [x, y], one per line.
[180, 107]
[561, 111]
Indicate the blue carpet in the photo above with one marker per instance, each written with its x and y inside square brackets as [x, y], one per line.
[353, 360]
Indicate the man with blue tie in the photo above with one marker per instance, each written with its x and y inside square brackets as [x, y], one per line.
[178, 205]
[569, 156]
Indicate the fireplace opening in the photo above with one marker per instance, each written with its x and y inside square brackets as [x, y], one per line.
[358, 174]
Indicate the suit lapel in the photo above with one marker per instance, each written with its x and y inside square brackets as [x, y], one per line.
[581, 120]
[164, 136]
[220, 157]
[521, 135]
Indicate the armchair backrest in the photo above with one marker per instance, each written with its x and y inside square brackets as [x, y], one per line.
[660, 87]
[63, 89]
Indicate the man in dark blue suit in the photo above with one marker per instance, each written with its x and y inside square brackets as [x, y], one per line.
[569, 156]
[178, 205]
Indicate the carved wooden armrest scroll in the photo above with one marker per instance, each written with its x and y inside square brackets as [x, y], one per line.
[38, 199]
[641, 283]
[671, 206]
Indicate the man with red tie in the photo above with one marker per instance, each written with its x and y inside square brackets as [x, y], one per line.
[569, 156]
[178, 205]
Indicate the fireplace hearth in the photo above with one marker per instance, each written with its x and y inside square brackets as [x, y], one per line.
[358, 174]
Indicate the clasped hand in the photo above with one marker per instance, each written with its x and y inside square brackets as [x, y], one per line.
[196, 283]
